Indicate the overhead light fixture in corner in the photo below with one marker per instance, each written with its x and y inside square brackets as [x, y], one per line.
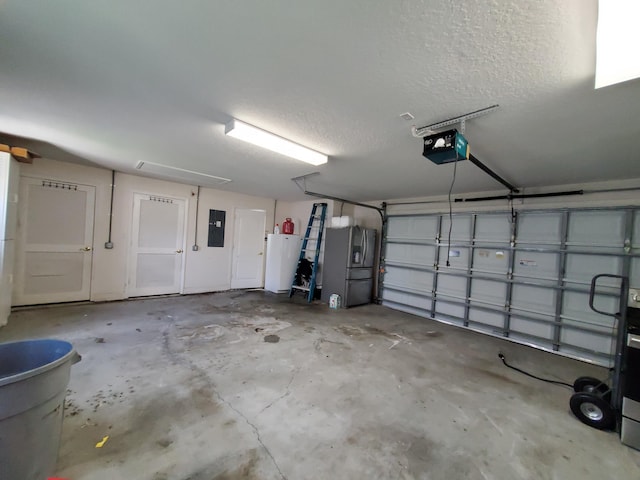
[617, 59]
[256, 136]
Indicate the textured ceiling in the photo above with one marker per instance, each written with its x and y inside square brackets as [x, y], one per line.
[117, 82]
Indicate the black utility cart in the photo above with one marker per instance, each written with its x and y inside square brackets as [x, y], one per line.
[615, 404]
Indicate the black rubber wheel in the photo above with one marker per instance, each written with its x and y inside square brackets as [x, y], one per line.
[592, 410]
[592, 385]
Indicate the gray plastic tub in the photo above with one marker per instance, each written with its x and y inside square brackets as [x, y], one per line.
[34, 375]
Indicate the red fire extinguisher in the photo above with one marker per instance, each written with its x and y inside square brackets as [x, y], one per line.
[287, 227]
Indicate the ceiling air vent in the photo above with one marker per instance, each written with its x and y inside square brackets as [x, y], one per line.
[181, 175]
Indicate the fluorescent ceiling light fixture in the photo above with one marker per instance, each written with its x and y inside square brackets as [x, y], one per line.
[248, 133]
[617, 56]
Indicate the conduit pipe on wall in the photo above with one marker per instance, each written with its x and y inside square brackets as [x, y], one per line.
[195, 246]
[109, 244]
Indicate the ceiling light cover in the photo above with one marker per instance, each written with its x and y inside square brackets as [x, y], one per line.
[256, 136]
[617, 58]
[181, 174]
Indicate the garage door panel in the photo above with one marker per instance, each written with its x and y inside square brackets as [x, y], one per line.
[460, 231]
[458, 257]
[581, 269]
[533, 341]
[413, 279]
[491, 262]
[493, 322]
[453, 312]
[597, 228]
[544, 278]
[413, 227]
[401, 307]
[635, 236]
[533, 299]
[483, 328]
[634, 277]
[539, 228]
[407, 299]
[599, 358]
[537, 266]
[411, 254]
[493, 229]
[576, 306]
[488, 292]
[453, 286]
[398, 227]
[541, 329]
[587, 341]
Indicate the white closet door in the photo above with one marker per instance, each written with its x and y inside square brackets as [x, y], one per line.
[55, 233]
[248, 249]
[157, 246]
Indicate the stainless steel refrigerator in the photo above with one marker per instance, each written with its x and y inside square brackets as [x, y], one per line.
[349, 258]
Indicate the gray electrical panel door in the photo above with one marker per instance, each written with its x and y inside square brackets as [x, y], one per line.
[216, 228]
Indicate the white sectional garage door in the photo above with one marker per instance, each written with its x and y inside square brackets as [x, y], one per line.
[525, 278]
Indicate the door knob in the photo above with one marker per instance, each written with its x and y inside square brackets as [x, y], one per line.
[85, 249]
[179, 251]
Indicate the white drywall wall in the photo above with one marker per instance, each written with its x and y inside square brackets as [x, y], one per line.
[299, 212]
[208, 269]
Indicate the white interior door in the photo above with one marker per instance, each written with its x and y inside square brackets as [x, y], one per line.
[54, 251]
[248, 249]
[157, 246]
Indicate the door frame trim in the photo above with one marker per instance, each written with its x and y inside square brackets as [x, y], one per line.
[234, 245]
[129, 254]
[19, 251]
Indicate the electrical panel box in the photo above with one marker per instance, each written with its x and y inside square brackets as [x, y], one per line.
[446, 147]
[216, 228]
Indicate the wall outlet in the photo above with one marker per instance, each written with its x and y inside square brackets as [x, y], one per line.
[195, 248]
[108, 245]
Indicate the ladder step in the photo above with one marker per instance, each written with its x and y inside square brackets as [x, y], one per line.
[296, 287]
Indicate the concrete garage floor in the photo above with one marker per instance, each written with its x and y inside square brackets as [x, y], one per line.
[187, 388]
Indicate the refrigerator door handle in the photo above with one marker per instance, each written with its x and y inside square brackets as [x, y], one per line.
[365, 243]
